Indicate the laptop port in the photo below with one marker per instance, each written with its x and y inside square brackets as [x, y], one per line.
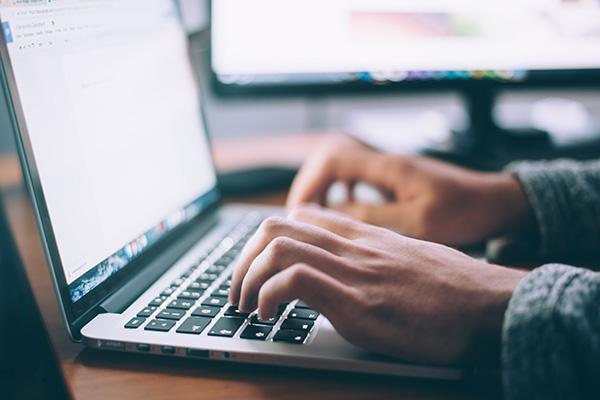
[112, 345]
[168, 350]
[197, 353]
[143, 347]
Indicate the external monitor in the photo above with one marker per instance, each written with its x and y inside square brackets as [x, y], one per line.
[313, 46]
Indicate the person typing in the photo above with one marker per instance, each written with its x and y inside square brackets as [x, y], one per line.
[420, 300]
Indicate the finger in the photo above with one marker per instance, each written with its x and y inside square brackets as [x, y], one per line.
[280, 227]
[312, 181]
[301, 281]
[279, 255]
[317, 175]
[328, 219]
[386, 215]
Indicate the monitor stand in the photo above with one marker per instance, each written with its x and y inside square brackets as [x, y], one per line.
[485, 145]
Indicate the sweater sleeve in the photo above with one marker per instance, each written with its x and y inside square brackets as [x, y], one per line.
[551, 335]
[565, 198]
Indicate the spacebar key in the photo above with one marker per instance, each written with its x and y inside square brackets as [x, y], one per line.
[226, 327]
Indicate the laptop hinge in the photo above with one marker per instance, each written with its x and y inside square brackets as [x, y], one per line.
[136, 286]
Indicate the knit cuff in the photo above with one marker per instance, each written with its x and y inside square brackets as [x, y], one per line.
[560, 200]
[535, 352]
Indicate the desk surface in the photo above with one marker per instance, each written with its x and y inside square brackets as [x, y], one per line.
[100, 375]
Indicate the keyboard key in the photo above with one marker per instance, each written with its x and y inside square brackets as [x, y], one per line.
[168, 291]
[190, 295]
[194, 325]
[177, 282]
[187, 273]
[226, 283]
[146, 312]
[206, 311]
[215, 269]
[297, 324]
[181, 304]
[303, 314]
[157, 301]
[226, 326]
[223, 263]
[270, 321]
[281, 309]
[206, 277]
[215, 301]
[232, 311]
[221, 293]
[161, 325]
[256, 332]
[171, 313]
[288, 336]
[202, 284]
[135, 323]
[301, 304]
[197, 287]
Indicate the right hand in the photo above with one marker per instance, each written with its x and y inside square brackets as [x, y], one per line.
[420, 301]
[428, 199]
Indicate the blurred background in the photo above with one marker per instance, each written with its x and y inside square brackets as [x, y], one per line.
[397, 114]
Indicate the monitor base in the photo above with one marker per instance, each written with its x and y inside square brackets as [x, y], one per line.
[507, 146]
[487, 146]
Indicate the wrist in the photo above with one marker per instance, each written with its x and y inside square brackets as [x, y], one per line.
[507, 204]
[497, 288]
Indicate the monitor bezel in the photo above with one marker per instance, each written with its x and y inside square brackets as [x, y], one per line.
[76, 314]
[546, 79]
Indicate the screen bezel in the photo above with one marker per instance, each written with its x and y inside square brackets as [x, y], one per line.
[77, 313]
[535, 79]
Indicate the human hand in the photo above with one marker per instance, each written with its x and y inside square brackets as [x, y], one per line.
[428, 199]
[387, 293]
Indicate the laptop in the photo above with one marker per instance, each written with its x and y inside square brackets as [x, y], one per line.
[29, 368]
[112, 140]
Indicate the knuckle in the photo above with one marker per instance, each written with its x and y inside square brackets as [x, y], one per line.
[370, 302]
[272, 224]
[280, 246]
[298, 275]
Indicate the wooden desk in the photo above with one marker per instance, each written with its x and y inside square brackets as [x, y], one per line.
[99, 375]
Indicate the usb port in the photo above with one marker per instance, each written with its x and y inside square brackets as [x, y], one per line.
[197, 353]
[168, 350]
[143, 347]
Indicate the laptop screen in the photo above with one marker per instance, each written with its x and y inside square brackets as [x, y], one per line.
[111, 106]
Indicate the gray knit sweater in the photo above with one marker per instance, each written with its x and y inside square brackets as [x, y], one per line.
[551, 335]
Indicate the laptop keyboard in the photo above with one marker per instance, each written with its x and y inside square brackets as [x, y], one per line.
[198, 298]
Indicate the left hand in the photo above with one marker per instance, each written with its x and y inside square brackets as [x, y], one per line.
[420, 301]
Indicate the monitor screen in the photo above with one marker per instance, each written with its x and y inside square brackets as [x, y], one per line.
[110, 106]
[265, 42]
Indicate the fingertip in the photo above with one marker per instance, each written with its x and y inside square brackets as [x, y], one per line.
[242, 307]
[232, 299]
[265, 312]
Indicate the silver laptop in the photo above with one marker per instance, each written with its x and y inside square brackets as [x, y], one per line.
[113, 145]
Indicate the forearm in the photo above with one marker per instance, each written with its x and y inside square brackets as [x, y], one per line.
[565, 200]
[551, 335]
